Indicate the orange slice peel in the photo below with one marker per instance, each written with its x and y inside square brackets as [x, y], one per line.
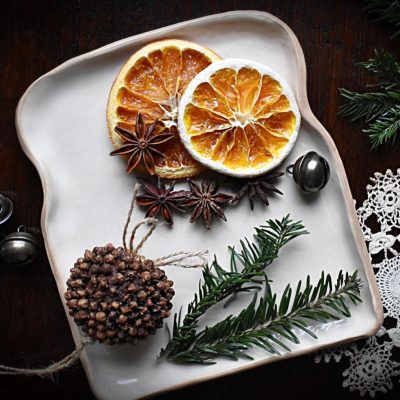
[152, 82]
[238, 117]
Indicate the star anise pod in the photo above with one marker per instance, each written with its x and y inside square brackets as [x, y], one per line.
[206, 201]
[258, 187]
[161, 200]
[142, 144]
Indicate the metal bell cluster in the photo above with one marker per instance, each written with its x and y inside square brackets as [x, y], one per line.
[17, 248]
[311, 172]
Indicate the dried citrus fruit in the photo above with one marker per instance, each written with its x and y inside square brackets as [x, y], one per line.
[152, 82]
[238, 117]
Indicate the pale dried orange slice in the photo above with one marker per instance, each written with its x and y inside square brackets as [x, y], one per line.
[239, 118]
[152, 82]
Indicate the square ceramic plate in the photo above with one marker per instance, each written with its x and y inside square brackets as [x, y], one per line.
[62, 128]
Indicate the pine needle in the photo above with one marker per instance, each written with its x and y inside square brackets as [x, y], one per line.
[385, 129]
[367, 106]
[380, 110]
[386, 70]
[385, 11]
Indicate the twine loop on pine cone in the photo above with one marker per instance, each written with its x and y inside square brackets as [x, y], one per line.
[150, 221]
[175, 259]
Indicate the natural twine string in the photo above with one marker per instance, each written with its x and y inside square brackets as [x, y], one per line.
[48, 371]
[176, 259]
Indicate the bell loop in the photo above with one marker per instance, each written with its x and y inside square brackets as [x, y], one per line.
[21, 228]
[289, 169]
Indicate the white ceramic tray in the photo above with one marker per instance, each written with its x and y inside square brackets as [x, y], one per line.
[62, 128]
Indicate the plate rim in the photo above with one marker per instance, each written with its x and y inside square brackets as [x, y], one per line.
[302, 98]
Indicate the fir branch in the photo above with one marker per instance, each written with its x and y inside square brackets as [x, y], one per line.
[386, 70]
[246, 272]
[367, 106]
[269, 239]
[378, 109]
[386, 11]
[267, 324]
[385, 129]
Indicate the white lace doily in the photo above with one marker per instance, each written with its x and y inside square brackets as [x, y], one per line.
[373, 367]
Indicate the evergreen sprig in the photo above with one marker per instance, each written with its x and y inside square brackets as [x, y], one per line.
[269, 239]
[385, 128]
[386, 11]
[269, 322]
[367, 106]
[246, 272]
[386, 70]
[378, 109]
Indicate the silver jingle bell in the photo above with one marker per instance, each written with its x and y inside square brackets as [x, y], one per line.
[310, 171]
[19, 248]
[6, 208]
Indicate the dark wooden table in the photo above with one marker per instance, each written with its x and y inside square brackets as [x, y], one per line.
[36, 36]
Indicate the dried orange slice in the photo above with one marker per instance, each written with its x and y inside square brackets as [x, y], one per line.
[239, 118]
[152, 82]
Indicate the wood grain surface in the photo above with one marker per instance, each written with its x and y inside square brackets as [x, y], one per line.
[36, 36]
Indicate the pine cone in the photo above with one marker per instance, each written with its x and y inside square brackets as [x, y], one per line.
[118, 297]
